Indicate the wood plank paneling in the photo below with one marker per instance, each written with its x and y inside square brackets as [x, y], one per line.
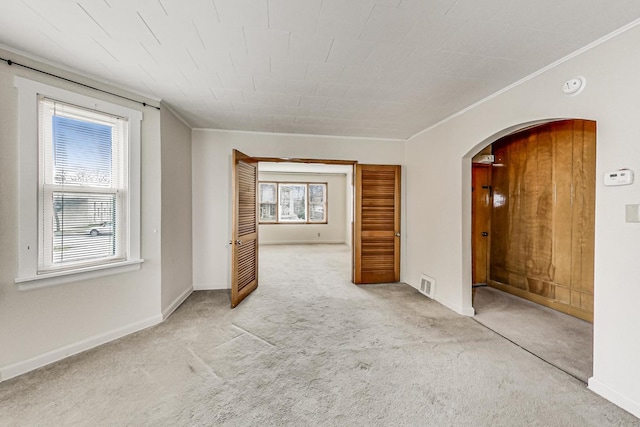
[589, 209]
[498, 269]
[542, 267]
[562, 214]
[542, 217]
[481, 224]
[515, 261]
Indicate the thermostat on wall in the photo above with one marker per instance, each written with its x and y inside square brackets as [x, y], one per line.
[619, 177]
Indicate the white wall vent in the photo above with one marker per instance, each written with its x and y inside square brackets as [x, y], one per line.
[427, 286]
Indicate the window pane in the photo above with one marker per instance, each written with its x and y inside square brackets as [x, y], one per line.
[316, 213]
[317, 202]
[293, 203]
[267, 200]
[267, 192]
[83, 226]
[81, 152]
[267, 212]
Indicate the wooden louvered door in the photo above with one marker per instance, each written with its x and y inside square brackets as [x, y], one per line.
[244, 261]
[377, 224]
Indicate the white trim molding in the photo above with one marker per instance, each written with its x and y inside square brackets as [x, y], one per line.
[59, 277]
[28, 276]
[614, 397]
[176, 303]
[19, 368]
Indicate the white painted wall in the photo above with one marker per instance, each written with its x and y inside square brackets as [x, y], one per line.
[212, 160]
[42, 325]
[439, 197]
[177, 265]
[334, 231]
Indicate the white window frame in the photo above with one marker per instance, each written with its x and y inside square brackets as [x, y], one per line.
[28, 276]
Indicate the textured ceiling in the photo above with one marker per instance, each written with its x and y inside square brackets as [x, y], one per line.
[369, 68]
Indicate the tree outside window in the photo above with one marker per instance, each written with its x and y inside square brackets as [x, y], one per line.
[267, 197]
[317, 202]
[293, 202]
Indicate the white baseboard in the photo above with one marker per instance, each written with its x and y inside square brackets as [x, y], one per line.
[614, 397]
[36, 362]
[176, 303]
[465, 311]
[211, 286]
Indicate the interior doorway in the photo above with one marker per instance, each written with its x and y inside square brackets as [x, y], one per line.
[313, 239]
[541, 199]
[537, 242]
[322, 195]
[375, 224]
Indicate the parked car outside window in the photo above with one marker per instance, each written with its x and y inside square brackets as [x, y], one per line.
[99, 229]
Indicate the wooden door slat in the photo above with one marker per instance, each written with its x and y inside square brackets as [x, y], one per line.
[245, 228]
[376, 245]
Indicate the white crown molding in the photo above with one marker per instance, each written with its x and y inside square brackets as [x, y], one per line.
[570, 56]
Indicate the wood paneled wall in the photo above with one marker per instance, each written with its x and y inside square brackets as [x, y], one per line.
[542, 218]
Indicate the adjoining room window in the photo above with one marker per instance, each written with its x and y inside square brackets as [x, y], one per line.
[317, 202]
[79, 181]
[268, 191]
[293, 203]
[297, 202]
[83, 180]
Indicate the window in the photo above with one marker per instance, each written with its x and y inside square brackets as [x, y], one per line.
[298, 202]
[293, 203]
[267, 199]
[79, 186]
[317, 202]
[83, 181]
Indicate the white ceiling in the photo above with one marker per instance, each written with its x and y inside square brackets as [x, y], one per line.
[368, 68]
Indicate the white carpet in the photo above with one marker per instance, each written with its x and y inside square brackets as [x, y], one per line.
[308, 348]
[562, 340]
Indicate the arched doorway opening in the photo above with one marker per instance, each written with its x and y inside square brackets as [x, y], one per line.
[532, 237]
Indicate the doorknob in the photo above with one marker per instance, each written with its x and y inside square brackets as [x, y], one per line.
[485, 234]
[239, 242]
[397, 234]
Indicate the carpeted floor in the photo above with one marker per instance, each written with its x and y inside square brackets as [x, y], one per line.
[307, 348]
[562, 340]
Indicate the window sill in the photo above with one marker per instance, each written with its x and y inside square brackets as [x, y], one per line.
[61, 277]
